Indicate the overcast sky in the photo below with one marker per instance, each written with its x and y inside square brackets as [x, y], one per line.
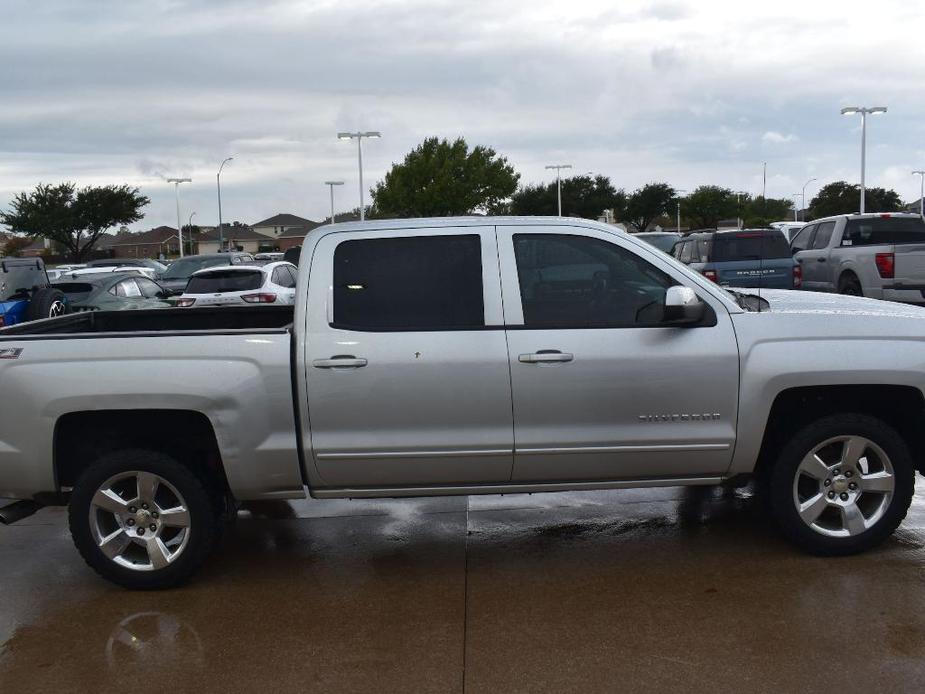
[690, 93]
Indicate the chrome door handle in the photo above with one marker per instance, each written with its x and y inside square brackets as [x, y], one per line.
[347, 361]
[545, 356]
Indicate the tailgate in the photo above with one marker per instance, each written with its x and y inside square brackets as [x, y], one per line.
[777, 273]
[909, 264]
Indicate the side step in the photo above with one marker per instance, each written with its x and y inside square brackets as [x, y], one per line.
[18, 510]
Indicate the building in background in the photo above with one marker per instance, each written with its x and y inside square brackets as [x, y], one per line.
[281, 224]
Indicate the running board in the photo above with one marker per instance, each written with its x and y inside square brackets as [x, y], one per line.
[18, 510]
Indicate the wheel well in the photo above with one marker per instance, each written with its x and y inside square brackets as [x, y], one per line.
[902, 407]
[82, 437]
[848, 274]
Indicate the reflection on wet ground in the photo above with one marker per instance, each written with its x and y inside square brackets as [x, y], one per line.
[633, 590]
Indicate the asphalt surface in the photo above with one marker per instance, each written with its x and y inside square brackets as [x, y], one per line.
[642, 590]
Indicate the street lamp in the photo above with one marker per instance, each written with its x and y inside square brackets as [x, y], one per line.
[921, 175]
[803, 196]
[358, 136]
[331, 184]
[558, 168]
[176, 184]
[190, 227]
[740, 222]
[678, 200]
[795, 210]
[850, 111]
[218, 186]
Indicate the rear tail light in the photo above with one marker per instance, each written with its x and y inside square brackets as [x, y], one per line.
[184, 303]
[259, 298]
[886, 264]
[710, 275]
[797, 276]
[2, 321]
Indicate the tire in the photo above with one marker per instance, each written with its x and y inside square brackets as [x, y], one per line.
[46, 303]
[138, 558]
[850, 285]
[860, 457]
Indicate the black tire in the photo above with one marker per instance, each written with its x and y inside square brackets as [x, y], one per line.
[203, 519]
[781, 488]
[46, 303]
[849, 284]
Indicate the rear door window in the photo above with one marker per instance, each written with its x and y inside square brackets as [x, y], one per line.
[687, 252]
[823, 235]
[750, 245]
[126, 288]
[877, 231]
[223, 281]
[413, 283]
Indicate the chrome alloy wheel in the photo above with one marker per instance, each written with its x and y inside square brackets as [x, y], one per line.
[140, 521]
[57, 309]
[843, 486]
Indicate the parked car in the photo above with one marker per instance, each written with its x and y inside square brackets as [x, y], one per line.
[136, 269]
[269, 257]
[790, 229]
[55, 272]
[154, 265]
[741, 258]
[25, 294]
[238, 285]
[881, 256]
[292, 255]
[462, 356]
[662, 240]
[177, 274]
[112, 291]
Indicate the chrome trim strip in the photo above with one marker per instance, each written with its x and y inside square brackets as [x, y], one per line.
[626, 449]
[413, 454]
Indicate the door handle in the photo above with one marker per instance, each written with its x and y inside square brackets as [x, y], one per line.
[341, 361]
[820, 260]
[545, 356]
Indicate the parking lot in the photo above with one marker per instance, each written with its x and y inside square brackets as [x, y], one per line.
[636, 590]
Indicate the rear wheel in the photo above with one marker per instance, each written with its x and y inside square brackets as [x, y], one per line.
[46, 303]
[842, 484]
[850, 285]
[142, 520]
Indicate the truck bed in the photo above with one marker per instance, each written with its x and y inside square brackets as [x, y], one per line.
[164, 320]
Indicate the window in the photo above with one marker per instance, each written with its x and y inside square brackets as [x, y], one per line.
[222, 281]
[579, 281]
[149, 289]
[126, 288]
[293, 275]
[415, 283]
[749, 245]
[872, 231]
[823, 235]
[687, 252]
[804, 239]
[283, 277]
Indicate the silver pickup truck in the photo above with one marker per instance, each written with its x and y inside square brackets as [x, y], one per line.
[877, 255]
[462, 356]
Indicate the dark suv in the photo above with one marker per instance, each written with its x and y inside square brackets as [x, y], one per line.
[176, 276]
[742, 258]
[25, 294]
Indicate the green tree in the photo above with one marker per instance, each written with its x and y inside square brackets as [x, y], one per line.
[582, 196]
[707, 205]
[759, 212]
[14, 246]
[842, 197]
[73, 219]
[648, 203]
[440, 178]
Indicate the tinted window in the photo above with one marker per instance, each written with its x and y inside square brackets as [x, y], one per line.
[148, 288]
[219, 281]
[126, 288]
[17, 280]
[883, 230]
[823, 235]
[749, 245]
[75, 291]
[425, 282]
[687, 252]
[293, 275]
[578, 281]
[282, 277]
[804, 239]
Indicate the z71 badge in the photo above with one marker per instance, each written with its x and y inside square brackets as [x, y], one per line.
[10, 353]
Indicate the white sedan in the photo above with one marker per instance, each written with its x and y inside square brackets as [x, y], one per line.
[235, 285]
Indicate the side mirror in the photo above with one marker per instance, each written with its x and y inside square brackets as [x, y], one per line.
[683, 306]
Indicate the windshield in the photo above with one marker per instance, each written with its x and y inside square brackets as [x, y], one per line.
[872, 231]
[749, 245]
[16, 282]
[185, 267]
[219, 281]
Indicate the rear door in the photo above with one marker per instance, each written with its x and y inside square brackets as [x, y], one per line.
[752, 259]
[814, 261]
[407, 371]
[601, 390]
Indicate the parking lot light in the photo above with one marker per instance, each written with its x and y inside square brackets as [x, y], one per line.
[331, 184]
[176, 183]
[803, 196]
[864, 111]
[358, 136]
[558, 168]
[921, 175]
[218, 185]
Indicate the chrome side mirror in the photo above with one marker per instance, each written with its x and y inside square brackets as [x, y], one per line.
[683, 306]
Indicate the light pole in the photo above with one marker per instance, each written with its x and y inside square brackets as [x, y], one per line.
[850, 111]
[190, 227]
[558, 168]
[679, 208]
[176, 184]
[331, 184]
[921, 175]
[740, 222]
[218, 186]
[795, 211]
[803, 197]
[358, 136]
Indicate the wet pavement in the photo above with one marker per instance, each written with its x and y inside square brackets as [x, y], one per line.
[635, 590]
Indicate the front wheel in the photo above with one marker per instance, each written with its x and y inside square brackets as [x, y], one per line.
[842, 484]
[142, 520]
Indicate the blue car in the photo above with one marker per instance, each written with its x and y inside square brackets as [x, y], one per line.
[742, 258]
[25, 294]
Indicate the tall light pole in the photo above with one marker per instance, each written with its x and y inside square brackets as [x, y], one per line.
[558, 168]
[358, 136]
[679, 208]
[795, 210]
[803, 197]
[218, 186]
[190, 227]
[740, 222]
[176, 184]
[331, 184]
[921, 175]
[850, 111]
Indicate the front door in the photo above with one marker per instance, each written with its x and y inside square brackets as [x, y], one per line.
[601, 391]
[407, 371]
